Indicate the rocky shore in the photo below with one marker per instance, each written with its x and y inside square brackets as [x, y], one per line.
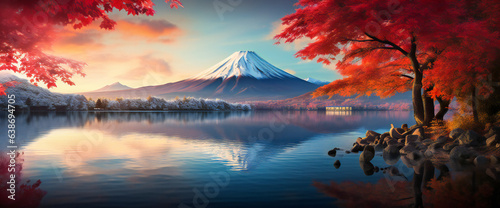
[460, 148]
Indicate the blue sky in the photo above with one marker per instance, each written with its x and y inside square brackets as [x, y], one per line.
[179, 43]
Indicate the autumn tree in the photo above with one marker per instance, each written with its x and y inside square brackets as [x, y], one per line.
[429, 47]
[27, 30]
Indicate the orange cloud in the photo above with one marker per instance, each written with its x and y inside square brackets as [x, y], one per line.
[153, 30]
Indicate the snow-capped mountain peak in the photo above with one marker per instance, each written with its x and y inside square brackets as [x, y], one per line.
[243, 63]
[316, 81]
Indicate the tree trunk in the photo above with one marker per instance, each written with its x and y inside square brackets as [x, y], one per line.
[443, 108]
[418, 107]
[428, 107]
[474, 105]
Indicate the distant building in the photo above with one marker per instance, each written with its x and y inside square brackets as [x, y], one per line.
[339, 108]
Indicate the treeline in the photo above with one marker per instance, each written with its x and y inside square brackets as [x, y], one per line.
[153, 103]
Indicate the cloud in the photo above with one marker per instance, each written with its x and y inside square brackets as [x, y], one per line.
[153, 30]
[149, 67]
[295, 46]
[69, 40]
[292, 72]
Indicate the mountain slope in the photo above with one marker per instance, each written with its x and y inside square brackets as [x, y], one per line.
[316, 81]
[113, 87]
[243, 76]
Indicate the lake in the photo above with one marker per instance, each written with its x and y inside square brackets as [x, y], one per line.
[198, 159]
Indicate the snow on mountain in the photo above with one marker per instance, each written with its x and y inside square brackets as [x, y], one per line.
[243, 76]
[316, 81]
[243, 63]
[113, 87]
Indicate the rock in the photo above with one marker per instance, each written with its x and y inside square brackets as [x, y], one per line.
[367, 154]
[356, 148]
[470, 138]
[391, 154]
[427, 142]
[376, 169]
[419, 131]
[494, 160]
[332, 152]
[347, 151]
[359, 139]
[364, 142]
[367, 168]
[391, 142]
[379, 147]
[336, 164]
[455, 133]
[407, 149]
[481, 161]
[493, 130]
[372, 133]
[369, 138]
[497, 146]
[448, 147]
[461, 153]
[493, 140]
[412, 138]
[415, 155]
[396, 132]
[384, 135]
[404, 127]
[441, 140]
[401, 141]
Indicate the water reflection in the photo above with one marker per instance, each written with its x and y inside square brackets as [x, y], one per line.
[422, 183]
[112, 156]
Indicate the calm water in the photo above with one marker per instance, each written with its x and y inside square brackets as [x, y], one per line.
[182, 159]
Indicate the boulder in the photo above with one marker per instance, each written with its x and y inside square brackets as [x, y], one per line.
[401, 141]
[427, 142]
[405, 127]
[415, 155]
[370, 139]
[494, 160]
[391, 154]
[359, 139]
[372, 133]
[336, 164]
[493, 140]
[419, 131]
[441, 140]
[470, 138]
[332, 152]
[407, 149]
[367, 154]
[455, 133]
[391, 142]
[379, 147]
[412, 138]
[481, 161]
[493, 130]
[461, 153]
[356, 148]
[367, 168]
[396, 132]
[384, 135]
[449, 146]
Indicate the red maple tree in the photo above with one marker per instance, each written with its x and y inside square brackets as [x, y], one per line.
[27, 29]
[442, 48]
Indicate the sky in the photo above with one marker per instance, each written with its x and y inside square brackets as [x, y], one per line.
[176, 44]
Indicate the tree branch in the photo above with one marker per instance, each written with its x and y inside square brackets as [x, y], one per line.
[388, 43]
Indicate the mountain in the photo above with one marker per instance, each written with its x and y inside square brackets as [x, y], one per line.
[316, 81]
[113, 87]
[243, 76]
